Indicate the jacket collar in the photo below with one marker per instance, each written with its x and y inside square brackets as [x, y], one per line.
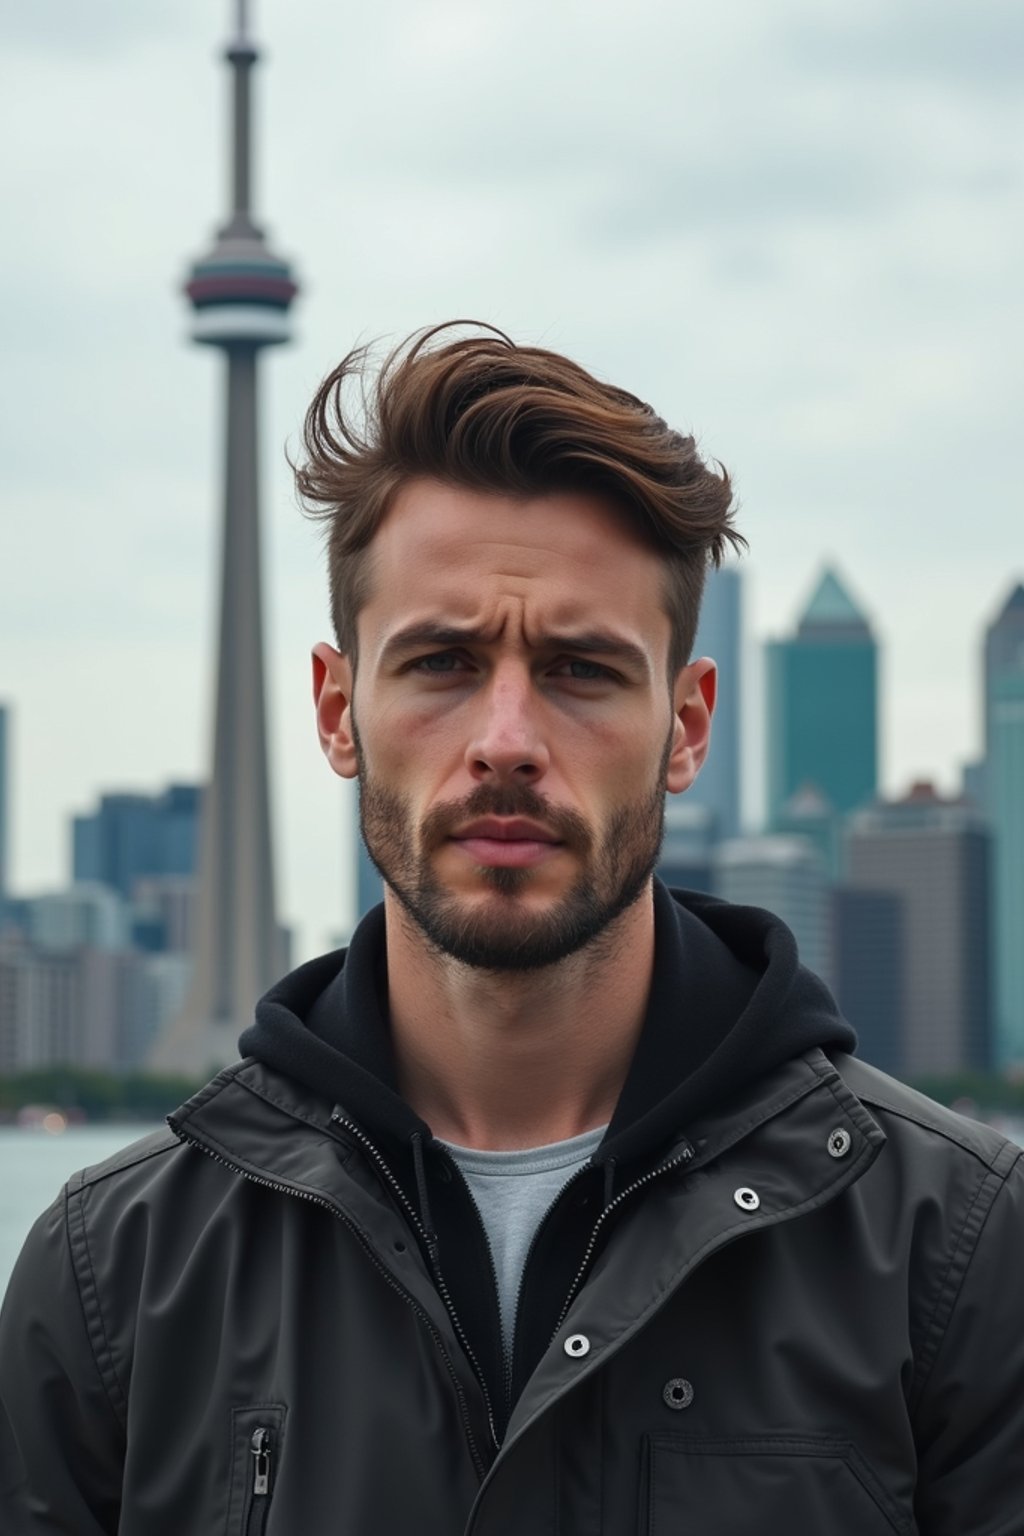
[728, 1003]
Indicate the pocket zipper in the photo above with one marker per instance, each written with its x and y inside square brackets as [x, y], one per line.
[259, 1446]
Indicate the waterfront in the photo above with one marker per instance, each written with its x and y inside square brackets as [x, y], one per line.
[34, 1164]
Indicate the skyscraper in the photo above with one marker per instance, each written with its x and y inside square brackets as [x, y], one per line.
[822, 696]
[132, 836]
[869, 970]
[717, 786]
[5, 874]
[934, 854]
[240, 295]
[1004, 753]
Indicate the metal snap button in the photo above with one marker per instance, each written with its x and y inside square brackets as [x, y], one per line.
[747, 1199]
[678, 1393]
[839, 1142]
[577, 1345]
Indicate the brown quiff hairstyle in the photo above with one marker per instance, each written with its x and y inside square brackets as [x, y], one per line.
[480, 412]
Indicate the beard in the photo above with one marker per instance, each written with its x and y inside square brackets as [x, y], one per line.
[504, 935]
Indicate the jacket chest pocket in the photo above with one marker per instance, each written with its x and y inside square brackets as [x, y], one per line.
[778, 1483]
[257, 1440]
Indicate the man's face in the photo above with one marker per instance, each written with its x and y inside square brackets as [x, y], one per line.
[512, 724]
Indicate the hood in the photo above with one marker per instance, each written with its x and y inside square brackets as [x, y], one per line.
[729, 1002]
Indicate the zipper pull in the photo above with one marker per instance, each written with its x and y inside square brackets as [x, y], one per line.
[261, 1461]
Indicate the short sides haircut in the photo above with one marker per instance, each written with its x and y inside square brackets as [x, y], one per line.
[478, 411]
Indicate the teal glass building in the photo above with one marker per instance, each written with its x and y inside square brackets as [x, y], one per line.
[822, 706]
[1004, 751]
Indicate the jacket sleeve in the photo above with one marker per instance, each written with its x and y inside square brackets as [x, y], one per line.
[61, 1443]
[970, 1418]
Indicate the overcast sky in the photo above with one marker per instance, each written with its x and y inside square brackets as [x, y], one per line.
[795, 228]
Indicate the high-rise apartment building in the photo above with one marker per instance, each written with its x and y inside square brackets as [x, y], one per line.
[39, 995]
[934, 854]
[822, 705]
[83, 1006]
[1004, 792]
[89, 916]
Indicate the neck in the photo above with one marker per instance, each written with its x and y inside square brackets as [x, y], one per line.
[502, 1060]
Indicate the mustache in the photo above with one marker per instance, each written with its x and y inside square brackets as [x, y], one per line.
[505, 800]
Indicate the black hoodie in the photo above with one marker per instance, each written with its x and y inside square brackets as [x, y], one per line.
[729, 1002]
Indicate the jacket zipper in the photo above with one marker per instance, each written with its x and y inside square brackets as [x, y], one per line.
[259, 1496]
[506, 1361]
[415, 1222]
[327, 1205]
[579, 1174]
[685, 1156]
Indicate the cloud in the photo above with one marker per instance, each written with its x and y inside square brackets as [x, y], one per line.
[83, 32]
[975, 49]
[795, 228]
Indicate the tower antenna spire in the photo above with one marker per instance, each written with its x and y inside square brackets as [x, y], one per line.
[241, 54]
[240, 294]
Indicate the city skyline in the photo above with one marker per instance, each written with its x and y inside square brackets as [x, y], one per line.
[892, 903]
[821, 283]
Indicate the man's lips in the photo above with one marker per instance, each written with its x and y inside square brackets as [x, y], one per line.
[506, 829]
[511, 842]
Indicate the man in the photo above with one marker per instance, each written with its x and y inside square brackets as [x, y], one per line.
[557, 1203]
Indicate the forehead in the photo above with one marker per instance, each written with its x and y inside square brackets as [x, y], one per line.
[562, 558]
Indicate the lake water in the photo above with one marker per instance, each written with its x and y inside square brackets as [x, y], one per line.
[35, 1164]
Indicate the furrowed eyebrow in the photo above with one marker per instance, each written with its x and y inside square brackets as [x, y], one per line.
[436, 636]
[598, 642]
[595, 642]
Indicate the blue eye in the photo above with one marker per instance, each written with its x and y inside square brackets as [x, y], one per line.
[440, 661]
[586, 671]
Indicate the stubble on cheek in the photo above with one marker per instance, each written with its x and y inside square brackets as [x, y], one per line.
[613, 871]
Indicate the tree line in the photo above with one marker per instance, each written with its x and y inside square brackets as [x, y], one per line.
[95, 1095]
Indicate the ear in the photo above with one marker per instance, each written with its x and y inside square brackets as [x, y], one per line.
[693, 701]
[332, 696]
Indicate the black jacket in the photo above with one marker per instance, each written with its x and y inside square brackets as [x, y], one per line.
[794, 1302]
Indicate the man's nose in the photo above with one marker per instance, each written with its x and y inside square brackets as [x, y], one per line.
[508, 742]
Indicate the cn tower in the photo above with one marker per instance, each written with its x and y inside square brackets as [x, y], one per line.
[240, 294]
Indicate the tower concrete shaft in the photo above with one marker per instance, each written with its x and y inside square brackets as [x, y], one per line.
[240, 295]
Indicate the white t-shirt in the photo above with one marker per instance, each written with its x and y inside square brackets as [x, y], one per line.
[514, 1192]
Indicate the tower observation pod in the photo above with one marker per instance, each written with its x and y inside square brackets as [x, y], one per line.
[240, 294]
